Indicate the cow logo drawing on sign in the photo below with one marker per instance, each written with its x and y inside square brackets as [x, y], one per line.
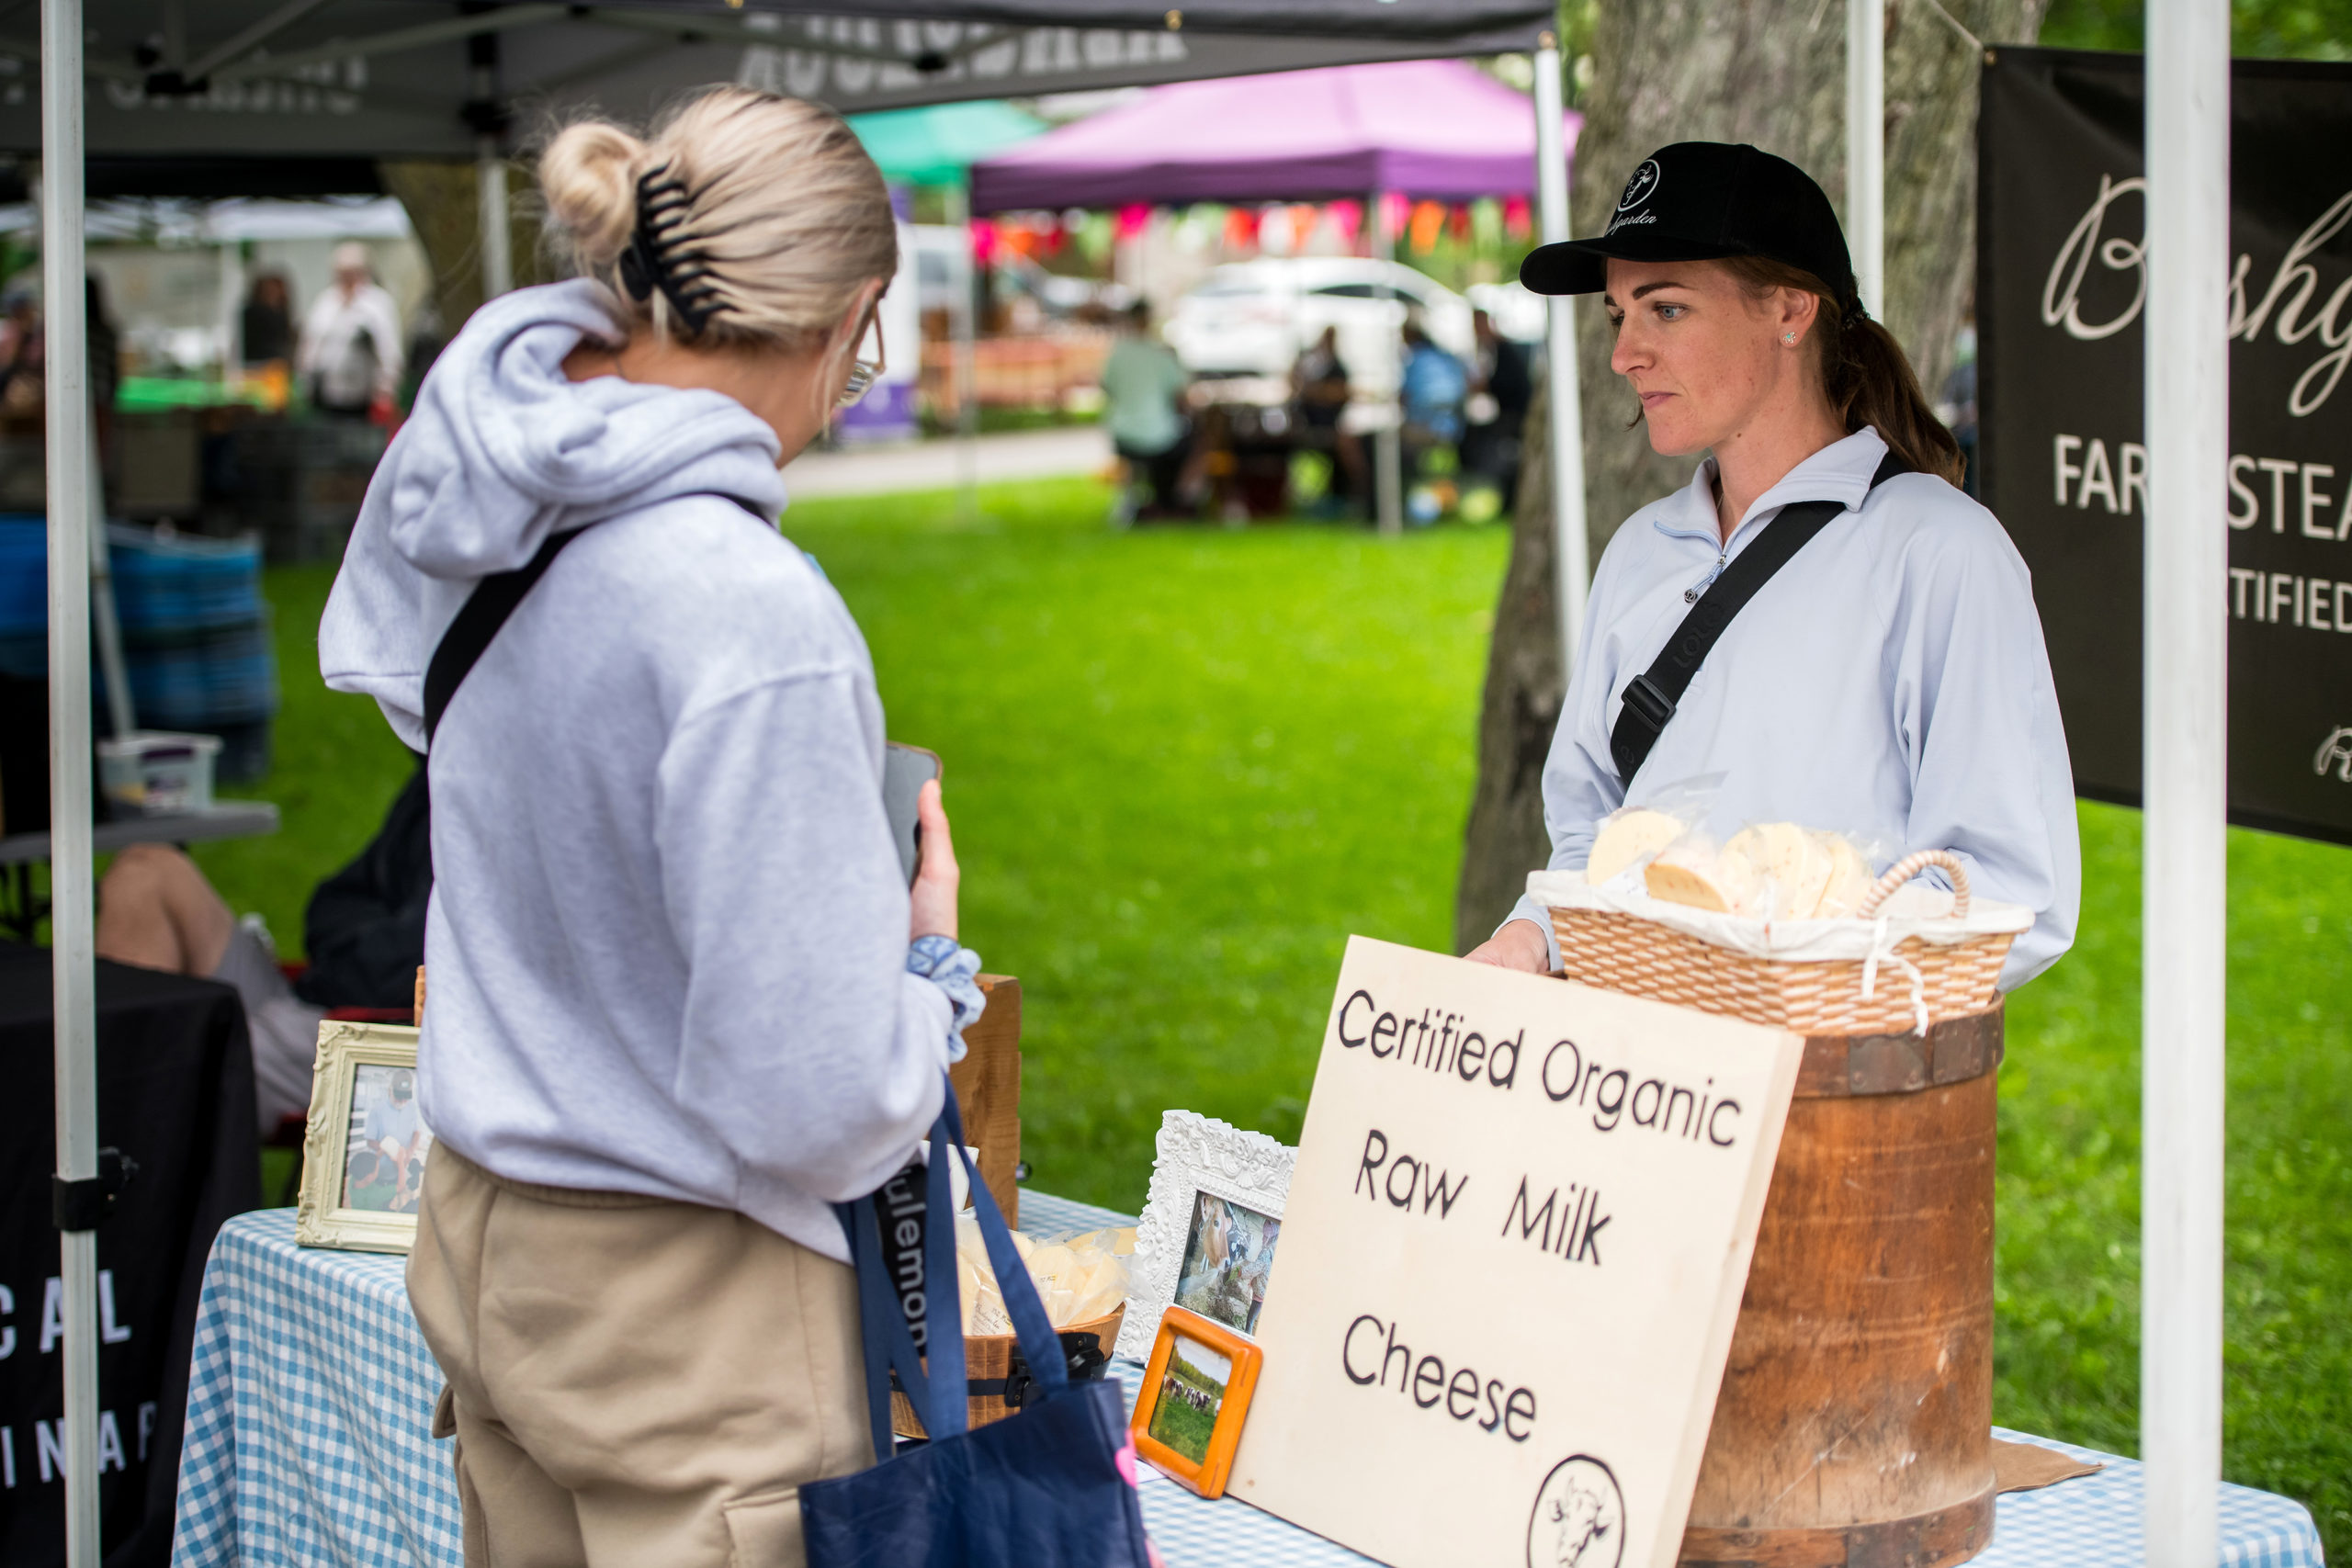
[2335, 752]
[1580, 1517]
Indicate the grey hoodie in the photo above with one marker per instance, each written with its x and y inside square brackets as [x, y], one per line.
[668, 932]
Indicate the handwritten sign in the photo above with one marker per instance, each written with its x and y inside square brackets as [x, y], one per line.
[1511, 1261]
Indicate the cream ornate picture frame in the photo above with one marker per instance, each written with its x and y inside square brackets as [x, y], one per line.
[363, 1158]
[1205, 1165]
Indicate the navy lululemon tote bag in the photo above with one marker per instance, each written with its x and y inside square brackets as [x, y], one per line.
[1046, 1488]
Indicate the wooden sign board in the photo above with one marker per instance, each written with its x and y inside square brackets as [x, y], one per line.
[1512, 1258]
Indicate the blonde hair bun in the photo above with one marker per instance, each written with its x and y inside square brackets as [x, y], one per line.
[779, 217]
[589, 174]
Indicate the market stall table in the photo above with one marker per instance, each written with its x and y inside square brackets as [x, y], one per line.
[312, 1389]
[175, 1094]
[21, 912]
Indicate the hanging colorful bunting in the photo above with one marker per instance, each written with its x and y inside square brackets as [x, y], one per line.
[1428, 223]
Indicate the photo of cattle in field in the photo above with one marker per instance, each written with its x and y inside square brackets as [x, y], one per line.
[1190, 1396]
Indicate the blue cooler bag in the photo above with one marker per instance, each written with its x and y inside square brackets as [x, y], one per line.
[1043, 1488]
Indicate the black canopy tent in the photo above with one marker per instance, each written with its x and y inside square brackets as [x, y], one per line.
[300, 96]
[322, 79]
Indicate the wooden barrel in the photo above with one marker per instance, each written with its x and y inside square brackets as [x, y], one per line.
[1854, 1424]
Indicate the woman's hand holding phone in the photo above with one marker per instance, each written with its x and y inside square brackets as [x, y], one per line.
[936, 877]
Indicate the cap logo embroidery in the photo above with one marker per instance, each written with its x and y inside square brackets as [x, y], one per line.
[1642, 186]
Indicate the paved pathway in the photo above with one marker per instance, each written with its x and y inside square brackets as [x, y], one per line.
[941, 465]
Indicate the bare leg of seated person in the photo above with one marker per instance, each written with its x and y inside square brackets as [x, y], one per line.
[155, 910]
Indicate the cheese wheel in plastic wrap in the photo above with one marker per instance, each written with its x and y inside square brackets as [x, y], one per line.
[1850, 879]
[1626, 836]
[1693, 872]
[1793, 860]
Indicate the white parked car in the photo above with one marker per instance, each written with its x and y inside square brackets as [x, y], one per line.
[1254, 317]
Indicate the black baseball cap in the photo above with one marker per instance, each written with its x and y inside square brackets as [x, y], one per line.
[1702, 201]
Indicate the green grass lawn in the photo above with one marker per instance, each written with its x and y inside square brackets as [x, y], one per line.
[1185, 764]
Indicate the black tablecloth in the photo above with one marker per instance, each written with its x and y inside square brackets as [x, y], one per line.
[175, 1093]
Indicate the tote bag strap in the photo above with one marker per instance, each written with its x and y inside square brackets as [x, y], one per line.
[1040, 1346]
[889, 1347]
[939, 1392]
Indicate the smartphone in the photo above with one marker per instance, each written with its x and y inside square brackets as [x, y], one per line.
[905, 770]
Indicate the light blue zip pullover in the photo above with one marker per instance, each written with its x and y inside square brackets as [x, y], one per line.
[1888, 683]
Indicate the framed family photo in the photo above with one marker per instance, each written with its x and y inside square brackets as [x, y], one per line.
[1194, 1397]
[364, 1155]
[1210, 1228]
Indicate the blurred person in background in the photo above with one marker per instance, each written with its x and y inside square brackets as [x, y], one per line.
[22, 365]
[267, 323]
[1143, 385]
[1320, 381]
[1435, 387]
[351, 355]
[364, 931]
[1502, 385]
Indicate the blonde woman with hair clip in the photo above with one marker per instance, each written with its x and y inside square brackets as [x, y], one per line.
[683, 1000]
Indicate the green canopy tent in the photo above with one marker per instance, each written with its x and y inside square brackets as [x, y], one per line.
[937, 144]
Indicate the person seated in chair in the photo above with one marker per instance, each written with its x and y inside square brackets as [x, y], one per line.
[364, 929]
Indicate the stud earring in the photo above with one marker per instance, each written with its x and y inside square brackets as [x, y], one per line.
[1789, 338]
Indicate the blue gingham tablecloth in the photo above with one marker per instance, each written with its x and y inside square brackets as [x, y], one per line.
[311, 1390]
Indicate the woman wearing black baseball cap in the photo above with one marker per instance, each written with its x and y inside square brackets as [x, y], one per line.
[1820, 616]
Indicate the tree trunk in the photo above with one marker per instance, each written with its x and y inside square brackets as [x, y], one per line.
[1525, 681]
[443, 203]
[1767, 71]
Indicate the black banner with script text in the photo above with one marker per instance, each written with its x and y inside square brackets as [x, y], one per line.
[2061, 294]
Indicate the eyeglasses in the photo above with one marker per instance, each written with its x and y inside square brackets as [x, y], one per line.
[864, 372]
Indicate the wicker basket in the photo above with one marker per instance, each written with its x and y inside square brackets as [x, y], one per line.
[987, 1359]
[1642, 958]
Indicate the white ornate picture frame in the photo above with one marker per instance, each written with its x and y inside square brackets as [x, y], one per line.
[1196, 1153]
[352, 1058]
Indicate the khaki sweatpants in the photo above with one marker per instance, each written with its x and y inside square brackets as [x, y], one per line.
[633, 1382]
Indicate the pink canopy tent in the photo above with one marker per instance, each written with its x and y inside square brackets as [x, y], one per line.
[1424, 128]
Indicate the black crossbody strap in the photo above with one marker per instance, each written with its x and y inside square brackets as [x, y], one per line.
[493, 598]
[1650, 701]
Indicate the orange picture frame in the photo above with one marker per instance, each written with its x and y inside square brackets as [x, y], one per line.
[1194, 1396]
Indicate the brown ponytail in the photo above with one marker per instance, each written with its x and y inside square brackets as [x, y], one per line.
[1865, 372]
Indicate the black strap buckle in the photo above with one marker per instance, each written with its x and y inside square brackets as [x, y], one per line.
[82, 1205]
[1646, 703]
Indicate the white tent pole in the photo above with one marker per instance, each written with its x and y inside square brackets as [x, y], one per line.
[71, 895]
[1388, 441]
[1866, 147]
[2185, 888]
[497, 238]
[1570, 555]
[967, 361]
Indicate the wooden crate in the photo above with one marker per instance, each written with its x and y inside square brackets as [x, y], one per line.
[988, 1086]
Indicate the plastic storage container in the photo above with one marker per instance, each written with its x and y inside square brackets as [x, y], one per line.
[158, 773]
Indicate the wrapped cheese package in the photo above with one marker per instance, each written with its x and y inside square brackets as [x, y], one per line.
[1081, 1277]
[1771, 871]
[1628, 837]
[1693, 871]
